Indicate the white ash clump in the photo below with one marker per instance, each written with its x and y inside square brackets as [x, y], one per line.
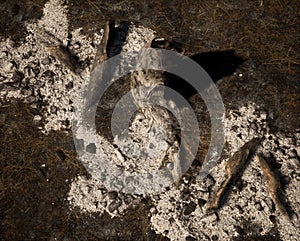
[128, 39]
[148, 148]
[180, 213]
[165, 218]
[244, 124]
[55, 19]
[89, 195]
[138, 37]
[37, 73]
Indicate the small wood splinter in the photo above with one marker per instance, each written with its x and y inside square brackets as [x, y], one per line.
[273, 184]
[58, 50]
[101, 54]
[234, 168]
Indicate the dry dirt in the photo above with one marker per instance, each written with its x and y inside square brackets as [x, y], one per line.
[249, 48]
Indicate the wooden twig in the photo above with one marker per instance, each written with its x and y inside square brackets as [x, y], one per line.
[234, 169]
[273, 184]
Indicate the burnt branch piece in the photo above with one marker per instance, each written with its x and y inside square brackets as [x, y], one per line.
[273, 184]
[234, 169]
[58, 50]
[101, 54]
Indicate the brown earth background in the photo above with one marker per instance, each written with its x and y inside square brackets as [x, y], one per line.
[264, 33]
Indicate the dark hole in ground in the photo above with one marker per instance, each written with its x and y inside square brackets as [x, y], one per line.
[117, 37]
[217, 64]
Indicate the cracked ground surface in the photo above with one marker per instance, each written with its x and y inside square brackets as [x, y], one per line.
[46, 193]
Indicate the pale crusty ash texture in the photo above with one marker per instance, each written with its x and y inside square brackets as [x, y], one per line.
[36, 75]
[137, 38]
[30, 73]
[91, 196]
[181, 212]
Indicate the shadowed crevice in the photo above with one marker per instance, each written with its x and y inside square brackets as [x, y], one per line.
[217, 64]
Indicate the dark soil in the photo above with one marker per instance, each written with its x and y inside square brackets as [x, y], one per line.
[33, 199]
